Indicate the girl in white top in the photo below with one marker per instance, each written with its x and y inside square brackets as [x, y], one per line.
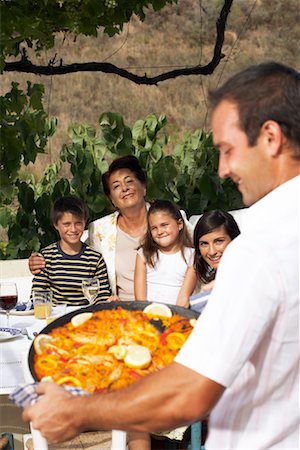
[163, 271]
[164, 264]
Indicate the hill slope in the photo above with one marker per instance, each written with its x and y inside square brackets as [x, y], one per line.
[180, 35]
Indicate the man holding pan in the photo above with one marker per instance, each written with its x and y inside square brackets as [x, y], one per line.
[241, 363]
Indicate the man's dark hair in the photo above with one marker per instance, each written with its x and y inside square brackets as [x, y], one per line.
[269, 91]
[70, 204]
[124, 162]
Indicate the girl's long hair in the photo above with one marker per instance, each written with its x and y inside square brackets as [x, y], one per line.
[149, 246]
[210, 221]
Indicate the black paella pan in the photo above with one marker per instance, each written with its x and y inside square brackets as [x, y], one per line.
[129, 305]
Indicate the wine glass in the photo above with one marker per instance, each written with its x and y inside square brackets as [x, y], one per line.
[90, 289]
[8, 297]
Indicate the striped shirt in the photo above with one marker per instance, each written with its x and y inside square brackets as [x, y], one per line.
[64, 273]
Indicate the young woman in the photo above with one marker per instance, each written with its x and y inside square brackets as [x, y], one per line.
[213, 232]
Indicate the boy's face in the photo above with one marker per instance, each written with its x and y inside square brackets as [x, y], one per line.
[70, 228]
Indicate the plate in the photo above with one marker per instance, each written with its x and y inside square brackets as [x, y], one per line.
[8, 333]
[27, 312]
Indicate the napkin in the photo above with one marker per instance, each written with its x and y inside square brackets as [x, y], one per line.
[25, 394]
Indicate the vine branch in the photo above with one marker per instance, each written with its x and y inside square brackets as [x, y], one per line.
[25, 65]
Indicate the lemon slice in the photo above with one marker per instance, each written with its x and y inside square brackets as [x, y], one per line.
[40, 342]
[81, 318]
[137, 357]
[158, 310]
[119, 351]
[193, 322]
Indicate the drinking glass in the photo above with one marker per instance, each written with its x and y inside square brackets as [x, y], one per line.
[90, 289]
[42, 303]
[57, 310]
[8, 297]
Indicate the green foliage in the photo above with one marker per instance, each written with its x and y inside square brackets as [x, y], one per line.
[188, 175]
[34, 22]
[198, 184]
[24, 128]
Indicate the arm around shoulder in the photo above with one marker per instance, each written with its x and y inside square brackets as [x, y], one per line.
[36, 262]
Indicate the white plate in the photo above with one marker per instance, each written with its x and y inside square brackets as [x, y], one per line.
[8, 333]
[27, 312]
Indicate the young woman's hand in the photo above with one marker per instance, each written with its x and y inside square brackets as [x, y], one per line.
[113, 298]
[208, 286]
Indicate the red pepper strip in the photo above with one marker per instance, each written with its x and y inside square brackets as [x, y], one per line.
[134, 374]
[62, 359]
[98, 390]
[163, 336]
[50, 351]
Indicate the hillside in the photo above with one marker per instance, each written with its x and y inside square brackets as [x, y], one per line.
[180, 35]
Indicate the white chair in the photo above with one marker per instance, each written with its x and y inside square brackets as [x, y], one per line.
[17, 270]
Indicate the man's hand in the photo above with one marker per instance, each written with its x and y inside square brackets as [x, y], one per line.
[54, 414]
[36, 262]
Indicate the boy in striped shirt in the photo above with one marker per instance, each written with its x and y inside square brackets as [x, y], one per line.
[69, 261]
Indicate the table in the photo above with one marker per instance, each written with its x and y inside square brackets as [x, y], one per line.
[13, 358]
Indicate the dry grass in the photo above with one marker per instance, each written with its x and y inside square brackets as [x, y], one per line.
[179, 35]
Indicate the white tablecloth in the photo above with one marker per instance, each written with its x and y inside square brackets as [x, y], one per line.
[12, 351]
[11, 370]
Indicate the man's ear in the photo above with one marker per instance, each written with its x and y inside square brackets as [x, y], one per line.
[272, 133]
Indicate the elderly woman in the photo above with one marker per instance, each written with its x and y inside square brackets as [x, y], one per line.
[118, 235]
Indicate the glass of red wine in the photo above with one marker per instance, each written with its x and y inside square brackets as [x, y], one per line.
[8, 297]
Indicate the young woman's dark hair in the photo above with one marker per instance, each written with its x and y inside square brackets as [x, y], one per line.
[70, 204]
[208, 222]
[124, 162]
[150, 247]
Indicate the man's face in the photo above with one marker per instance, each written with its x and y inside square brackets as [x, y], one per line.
[249, 167]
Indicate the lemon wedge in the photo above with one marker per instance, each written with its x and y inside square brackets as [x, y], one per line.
[158, 310]
[81, 318]
[193, 322]
[137, 357]
[119, 351]
[40, 342]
